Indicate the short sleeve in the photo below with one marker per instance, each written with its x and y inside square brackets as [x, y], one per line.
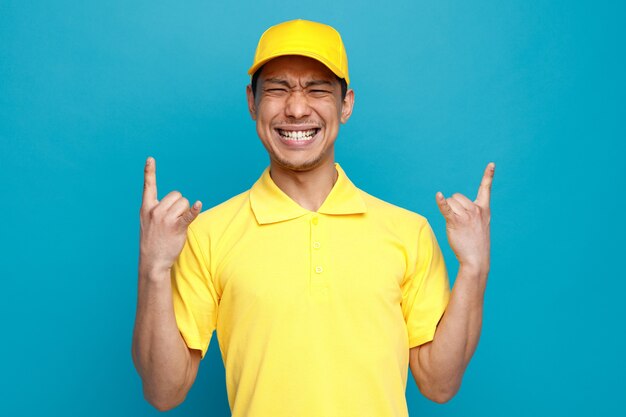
[425, 289]
[194, 296]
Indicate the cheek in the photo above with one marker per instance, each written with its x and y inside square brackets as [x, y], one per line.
[332, 118]
[268, 109]
[328, 111]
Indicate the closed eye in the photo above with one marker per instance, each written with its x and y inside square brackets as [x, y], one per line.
[321, 91]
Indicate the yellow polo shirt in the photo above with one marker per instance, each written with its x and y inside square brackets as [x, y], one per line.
[315, 312]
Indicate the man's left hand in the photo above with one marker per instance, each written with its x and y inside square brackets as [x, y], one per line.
[467, 224]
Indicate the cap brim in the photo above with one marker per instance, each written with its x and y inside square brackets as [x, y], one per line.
[308, 54]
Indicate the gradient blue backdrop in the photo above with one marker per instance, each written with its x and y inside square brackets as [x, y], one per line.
[89, 89]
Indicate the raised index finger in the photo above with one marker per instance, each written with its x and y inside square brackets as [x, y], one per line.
[484, 191]
[149, 182]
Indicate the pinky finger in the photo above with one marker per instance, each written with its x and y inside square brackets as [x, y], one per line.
[192, 213]
[444, 207]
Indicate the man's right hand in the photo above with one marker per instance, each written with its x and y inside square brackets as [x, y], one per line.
[163, 224]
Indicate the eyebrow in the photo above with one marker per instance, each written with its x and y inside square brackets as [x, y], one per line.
[284, 82]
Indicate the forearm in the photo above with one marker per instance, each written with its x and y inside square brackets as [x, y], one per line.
[159, 352]
[442, 362]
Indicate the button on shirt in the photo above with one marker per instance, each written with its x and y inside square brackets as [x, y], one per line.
[315, 312]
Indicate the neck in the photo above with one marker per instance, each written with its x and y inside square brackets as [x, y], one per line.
[307, 188]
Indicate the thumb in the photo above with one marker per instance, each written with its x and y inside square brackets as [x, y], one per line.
[191, 214]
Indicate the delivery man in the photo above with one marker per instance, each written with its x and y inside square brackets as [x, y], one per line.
[322, 296]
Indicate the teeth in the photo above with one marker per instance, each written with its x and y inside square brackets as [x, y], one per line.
[297, 134]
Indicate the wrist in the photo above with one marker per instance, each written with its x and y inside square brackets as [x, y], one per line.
[156, 273]
[474, 269]
[472, 279]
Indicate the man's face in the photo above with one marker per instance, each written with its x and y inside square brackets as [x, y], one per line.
[298, 108]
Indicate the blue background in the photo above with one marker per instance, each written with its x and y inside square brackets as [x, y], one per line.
[89, 89]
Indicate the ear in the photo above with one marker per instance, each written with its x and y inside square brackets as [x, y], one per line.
[251, 103]
[347, 105]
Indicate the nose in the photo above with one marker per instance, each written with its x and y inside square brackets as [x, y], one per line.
[297, 105]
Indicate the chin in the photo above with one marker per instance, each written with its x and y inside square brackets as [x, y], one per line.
[300, 166]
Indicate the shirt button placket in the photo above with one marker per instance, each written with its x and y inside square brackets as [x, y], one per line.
[318, 279]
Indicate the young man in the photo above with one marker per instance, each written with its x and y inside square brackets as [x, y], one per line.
[321, 294]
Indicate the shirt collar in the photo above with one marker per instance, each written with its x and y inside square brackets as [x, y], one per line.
[270, 204]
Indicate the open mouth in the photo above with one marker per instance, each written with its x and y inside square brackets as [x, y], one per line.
[302, 136]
